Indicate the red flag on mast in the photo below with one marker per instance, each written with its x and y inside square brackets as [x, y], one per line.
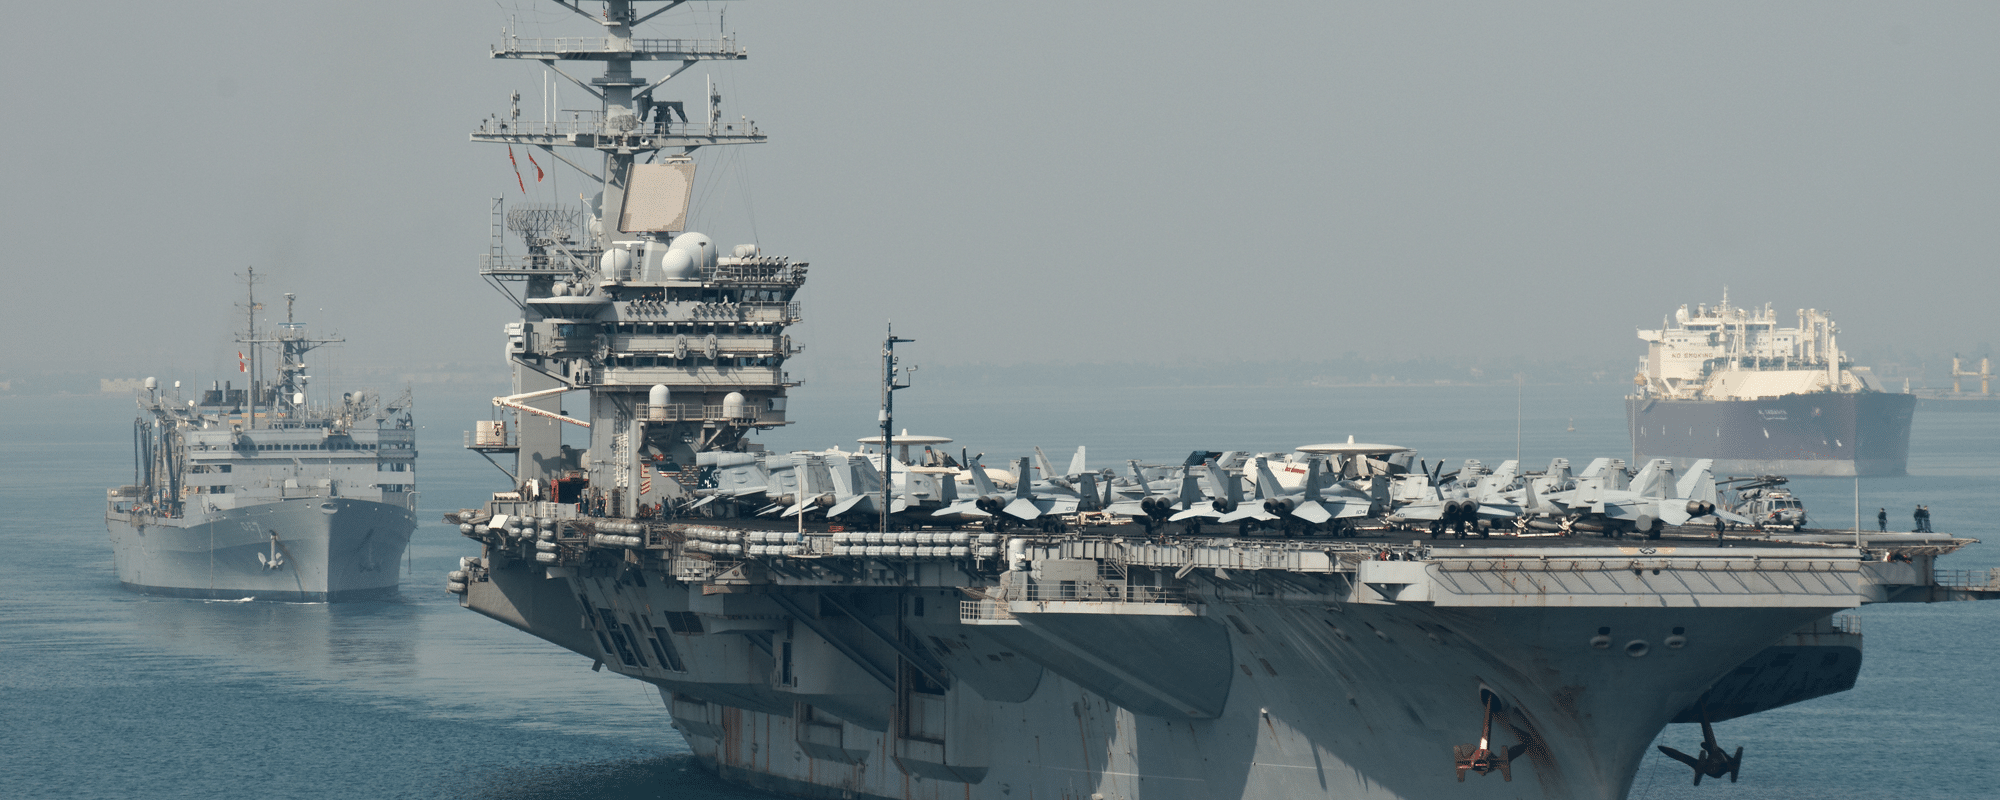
[517, 169]
[538, 167]
[240, 365]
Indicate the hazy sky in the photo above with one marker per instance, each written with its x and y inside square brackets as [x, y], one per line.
[1164, 182]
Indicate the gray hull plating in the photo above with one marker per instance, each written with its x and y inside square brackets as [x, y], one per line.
[1260, 685]
[1310, 712]
[331, 549]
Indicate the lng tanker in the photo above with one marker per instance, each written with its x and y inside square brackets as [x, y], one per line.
[1729, 384]
[848, 625]
[259, 492]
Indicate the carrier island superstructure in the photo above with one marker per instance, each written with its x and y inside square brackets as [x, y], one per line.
[934, 661]
[1729, 384]
[260, 492]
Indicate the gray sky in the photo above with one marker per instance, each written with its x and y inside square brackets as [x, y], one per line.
[1163, 182]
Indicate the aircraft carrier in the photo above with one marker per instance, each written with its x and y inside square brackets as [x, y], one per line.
[846, 625]
[258, 492]
[1727, 383]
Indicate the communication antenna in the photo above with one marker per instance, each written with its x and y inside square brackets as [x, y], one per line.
[250, 310]
[1518, 379]
[893, 378]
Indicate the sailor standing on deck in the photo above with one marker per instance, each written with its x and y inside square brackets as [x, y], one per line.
[1917, 518]
[1882, 519]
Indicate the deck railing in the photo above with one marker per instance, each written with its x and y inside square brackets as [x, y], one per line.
[1967, 578]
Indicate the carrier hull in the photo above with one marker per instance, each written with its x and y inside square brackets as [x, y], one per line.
[1317, 676]
[1819, 434]
[1314, 716]
[332, 549]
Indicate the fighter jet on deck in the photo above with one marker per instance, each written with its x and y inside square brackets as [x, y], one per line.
[1605, 502]
[1153, 505]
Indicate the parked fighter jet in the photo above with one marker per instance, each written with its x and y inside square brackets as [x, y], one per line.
[1065, 480]
[1153, 506]
[857, 487]
[1605, 501]
[1225, 492]
[1026, 504]
[813, 483]
[1713, 762]
[737, 476]
[1318, 500]
[1477, 495]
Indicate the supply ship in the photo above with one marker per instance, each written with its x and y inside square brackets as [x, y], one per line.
[258, 492]
[851, 625]
[1726, 383]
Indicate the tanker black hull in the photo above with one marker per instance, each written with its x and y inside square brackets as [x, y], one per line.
[1824, 434]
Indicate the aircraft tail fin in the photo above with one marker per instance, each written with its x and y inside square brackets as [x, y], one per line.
[1023, 487]
[1042, 462]
[982, 483]
[841, 470]
[1267, 483]
[1076, 463]
[1312, 479]
[1223, 485]
[1655, 479]
[1086, 487]
[1697, 476]
[1190, 488]
[947, 488]
[865, 479]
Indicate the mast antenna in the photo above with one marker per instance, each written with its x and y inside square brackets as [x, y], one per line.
[250, 310]
[891, 381]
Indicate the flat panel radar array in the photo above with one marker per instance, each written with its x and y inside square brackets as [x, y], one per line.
[657, 198]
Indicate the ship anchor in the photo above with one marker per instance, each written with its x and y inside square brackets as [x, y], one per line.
[1713, 762]
[1481, 758]
[276, 559]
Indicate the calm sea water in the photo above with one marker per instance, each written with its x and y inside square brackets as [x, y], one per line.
[109, 694]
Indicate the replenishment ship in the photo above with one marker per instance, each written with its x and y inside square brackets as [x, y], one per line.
[844, 625]
[260, 492]
[1728, 384]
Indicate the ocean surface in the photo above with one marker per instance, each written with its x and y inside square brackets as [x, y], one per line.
[104, 693]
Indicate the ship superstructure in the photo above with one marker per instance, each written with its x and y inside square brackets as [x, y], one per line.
[968, 642]
[679, 346]
[1735, 385]
[263, 492]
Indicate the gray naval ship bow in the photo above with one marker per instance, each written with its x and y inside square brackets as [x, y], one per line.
[260, 492]
[908, 656]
